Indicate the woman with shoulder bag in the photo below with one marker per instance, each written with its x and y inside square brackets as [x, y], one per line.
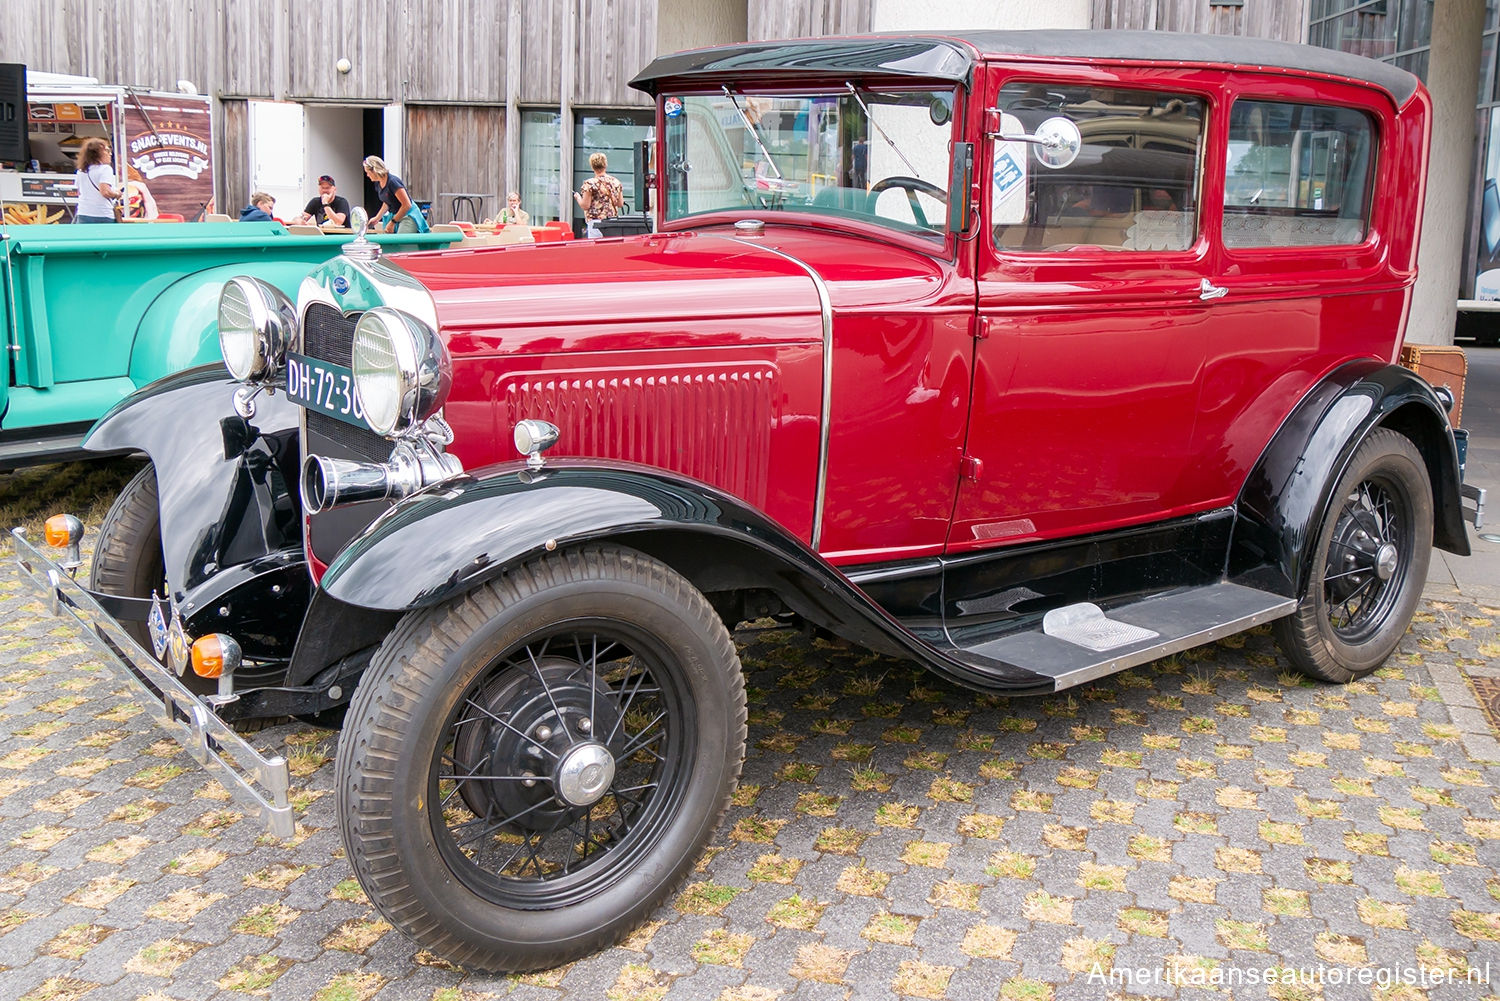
[98, 198]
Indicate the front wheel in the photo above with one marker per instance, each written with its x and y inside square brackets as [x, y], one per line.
[528, 771]
[1370, 563]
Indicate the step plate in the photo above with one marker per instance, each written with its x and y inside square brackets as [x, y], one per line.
[1178, 621]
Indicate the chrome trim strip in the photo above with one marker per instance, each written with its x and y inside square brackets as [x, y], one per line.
[210, 741]
[825, 304]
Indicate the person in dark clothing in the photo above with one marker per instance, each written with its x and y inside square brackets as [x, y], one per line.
[400, 214]
[328, 209]
[259, 209]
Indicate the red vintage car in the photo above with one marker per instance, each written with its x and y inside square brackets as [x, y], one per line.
[1027, 356]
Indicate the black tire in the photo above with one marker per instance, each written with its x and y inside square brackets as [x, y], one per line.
[466, 702]
[1361, 594]
[128, 559]
[128, 562]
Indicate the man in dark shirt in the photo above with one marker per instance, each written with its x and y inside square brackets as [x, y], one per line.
[328, 209]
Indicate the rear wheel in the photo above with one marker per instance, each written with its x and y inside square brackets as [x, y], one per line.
[527, 772]
[1370, 563]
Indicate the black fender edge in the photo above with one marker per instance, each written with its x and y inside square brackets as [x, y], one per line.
[447, 540]
[1284, 499]
[224, 483]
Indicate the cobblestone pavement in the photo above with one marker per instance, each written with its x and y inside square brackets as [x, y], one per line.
[1210, 815]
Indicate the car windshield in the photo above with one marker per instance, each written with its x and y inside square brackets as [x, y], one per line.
[878, 156]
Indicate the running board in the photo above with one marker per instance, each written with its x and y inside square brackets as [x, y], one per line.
[1104, 643]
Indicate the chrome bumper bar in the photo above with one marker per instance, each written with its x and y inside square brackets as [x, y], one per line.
[254, 780]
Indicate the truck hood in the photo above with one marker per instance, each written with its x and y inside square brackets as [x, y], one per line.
[662, 279]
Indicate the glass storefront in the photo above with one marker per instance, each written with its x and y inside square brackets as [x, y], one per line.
[1400, 32]
[541, 166]
[613, 133]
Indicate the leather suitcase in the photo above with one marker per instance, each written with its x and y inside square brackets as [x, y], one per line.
[1440, 365]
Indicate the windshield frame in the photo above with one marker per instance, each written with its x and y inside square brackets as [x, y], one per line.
[937, 239]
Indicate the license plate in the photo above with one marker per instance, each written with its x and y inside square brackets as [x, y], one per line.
[323, 386]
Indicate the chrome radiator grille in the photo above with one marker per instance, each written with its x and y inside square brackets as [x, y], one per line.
[328, 335]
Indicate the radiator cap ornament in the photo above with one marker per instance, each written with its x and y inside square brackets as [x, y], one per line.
[361, 249]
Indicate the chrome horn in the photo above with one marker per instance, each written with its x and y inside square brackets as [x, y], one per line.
[328, 483]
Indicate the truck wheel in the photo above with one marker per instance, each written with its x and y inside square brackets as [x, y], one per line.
[127, 556]
[528, 771]
[1369, 564]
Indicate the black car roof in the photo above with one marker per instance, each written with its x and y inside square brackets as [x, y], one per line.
[953, 56]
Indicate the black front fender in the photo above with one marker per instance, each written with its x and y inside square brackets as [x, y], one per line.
[445, 541]
[1285, 497]
[222, 481]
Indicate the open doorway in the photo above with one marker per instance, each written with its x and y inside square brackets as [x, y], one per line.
[292, 145]
[339, 137]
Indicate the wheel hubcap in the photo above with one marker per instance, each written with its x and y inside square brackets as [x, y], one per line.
[1366, 556]
[584, 773]
[1386, 561]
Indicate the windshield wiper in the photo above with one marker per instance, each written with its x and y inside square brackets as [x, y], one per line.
[888, 141]
[754, 132]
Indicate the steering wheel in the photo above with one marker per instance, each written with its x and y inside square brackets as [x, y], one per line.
[912, 186]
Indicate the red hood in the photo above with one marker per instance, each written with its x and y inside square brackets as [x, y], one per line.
[665, 278]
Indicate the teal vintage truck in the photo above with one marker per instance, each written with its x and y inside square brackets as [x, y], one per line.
[92, 313]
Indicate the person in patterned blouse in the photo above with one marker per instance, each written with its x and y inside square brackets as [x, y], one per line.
[600, 197]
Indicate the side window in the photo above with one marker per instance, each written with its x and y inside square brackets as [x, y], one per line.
[1298, 175]
[1133, 185]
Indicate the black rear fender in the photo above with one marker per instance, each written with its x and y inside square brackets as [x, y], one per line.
[1283, 501]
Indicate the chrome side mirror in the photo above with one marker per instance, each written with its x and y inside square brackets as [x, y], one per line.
[1057, 141]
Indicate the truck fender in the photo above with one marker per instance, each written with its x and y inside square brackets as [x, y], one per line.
[180, 328]
[445, 541]
[1287, 493]
[222, 481]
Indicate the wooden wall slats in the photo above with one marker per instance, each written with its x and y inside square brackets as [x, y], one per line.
[472, 139]
[1281, 20]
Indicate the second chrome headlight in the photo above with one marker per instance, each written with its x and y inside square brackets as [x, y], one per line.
[256, 324]
[402, 371]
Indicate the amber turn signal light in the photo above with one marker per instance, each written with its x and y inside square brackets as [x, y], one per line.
[62, 530]
[215, 655]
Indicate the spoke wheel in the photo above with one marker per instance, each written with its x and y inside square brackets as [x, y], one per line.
[528, 771]
[561, 761]
[1371, 559]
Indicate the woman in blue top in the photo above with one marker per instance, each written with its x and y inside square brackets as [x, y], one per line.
[401, 213]
[96, 182]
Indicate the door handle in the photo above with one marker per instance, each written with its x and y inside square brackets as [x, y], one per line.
[1208, 290]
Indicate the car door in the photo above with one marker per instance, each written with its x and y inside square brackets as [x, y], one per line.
[1094, 308]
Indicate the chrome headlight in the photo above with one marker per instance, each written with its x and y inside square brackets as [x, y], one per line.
[402, 371]
[256, 325]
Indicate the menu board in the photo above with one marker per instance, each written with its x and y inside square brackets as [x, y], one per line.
[53, 187]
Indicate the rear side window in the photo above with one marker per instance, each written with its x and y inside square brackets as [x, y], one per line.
[1133, 185]
[1298, 175]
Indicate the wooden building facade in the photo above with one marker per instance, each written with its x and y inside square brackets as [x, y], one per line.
[465, 79]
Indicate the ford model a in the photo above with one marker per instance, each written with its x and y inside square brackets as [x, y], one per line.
[1029, 357]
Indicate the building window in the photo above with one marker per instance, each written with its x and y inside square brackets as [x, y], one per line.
[613, 133]
[541, 164]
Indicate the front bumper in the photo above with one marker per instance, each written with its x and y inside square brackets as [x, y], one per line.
[257, 782]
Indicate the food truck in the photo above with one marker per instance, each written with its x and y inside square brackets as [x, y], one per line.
[167, 139]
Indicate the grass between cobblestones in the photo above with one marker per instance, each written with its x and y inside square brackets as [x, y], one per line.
[893, 837]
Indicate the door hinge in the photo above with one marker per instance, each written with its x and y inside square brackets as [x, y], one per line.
[970, 468]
